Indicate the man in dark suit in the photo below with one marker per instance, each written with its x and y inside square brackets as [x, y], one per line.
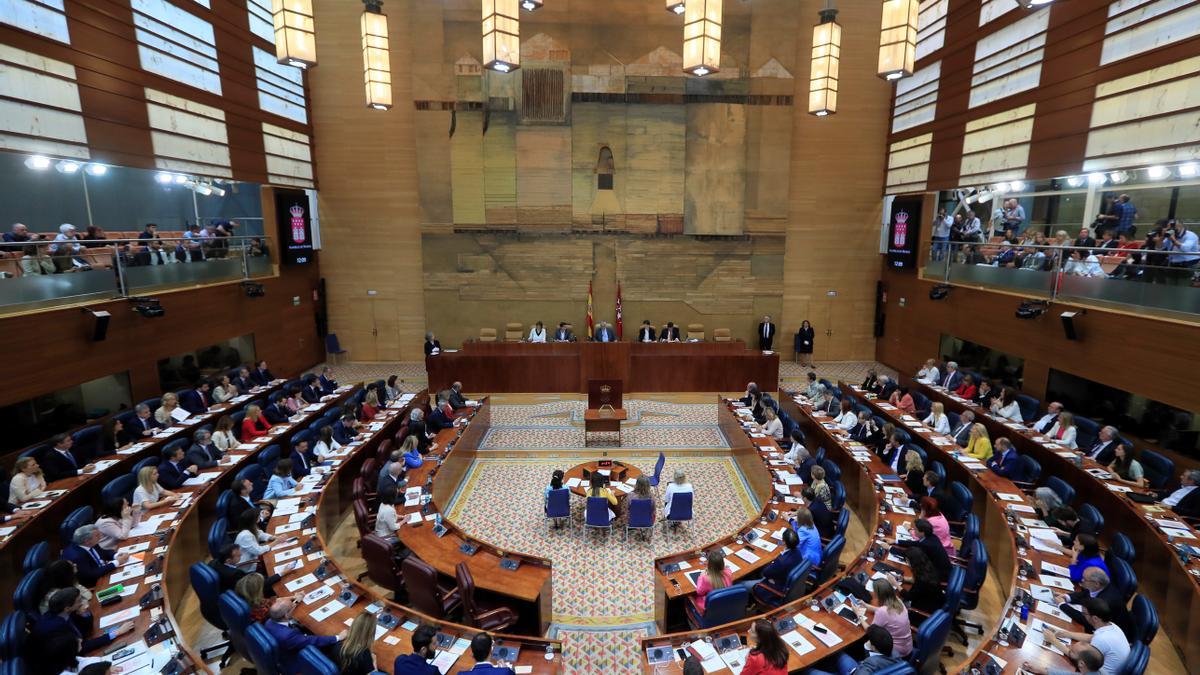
[196, 401]
[1096, 584]
[417, 663]
[804, 465]
[344, 432]
[91, 561]
[646, 333]
[1004, 461]
[823, 518]
[66, 618]
[1185, 500]
[261, 376]
[225, 565]
[828, 404]
[952, 378]
[277, 412]
[302, 460]
[203, 454]
[564, 334]
[142, 426]
[60, 462]
[604, 333]
[893, 453]
[243, 381]
[774, 575]
[438, 420]
[328, 384]
[172, 470]
[962, 433]
[670, 333]
[392, 478]
[291, 639]
[886, 387]
[933, 488]
[929, 543]
[481, 651]
[766, 334]
[457, 400]
[1105, 449]
[311, 393]
[242, 499]
[150, 232]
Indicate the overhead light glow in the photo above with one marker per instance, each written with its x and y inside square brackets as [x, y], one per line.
[1189, 170]
[67, 166]
[163, 178]
[1016, 185]
[1158, 172]
[96, 169]
[501, 35]
[38, 162]
[898, 38]
[675, 6]
[702, 37]
[180, 179]
[1075, 181]
[1096, 179]
[531, 5]
[825, 65]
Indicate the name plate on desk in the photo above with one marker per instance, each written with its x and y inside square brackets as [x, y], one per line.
[467, 548]
[510, 564]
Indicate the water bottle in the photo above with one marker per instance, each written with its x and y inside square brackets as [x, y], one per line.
[549, 651]
[1024, 612]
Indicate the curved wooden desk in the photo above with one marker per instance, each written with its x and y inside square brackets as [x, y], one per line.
[620, 473]
[333, 505]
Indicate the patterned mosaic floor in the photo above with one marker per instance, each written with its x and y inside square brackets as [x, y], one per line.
[558, 425]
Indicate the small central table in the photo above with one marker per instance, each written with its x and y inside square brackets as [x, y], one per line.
[620, 472]
[603, 421]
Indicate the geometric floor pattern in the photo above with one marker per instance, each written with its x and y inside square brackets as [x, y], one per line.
[558, 425]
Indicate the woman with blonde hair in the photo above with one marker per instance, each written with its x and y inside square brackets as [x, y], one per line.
[890, 614]
[166, 406]
[27, 483]
[937, 419]
[1063, 432]
[254, 424]
[250, 588]
[149, 494]
[979, 445]
[819, 487]
[716, 575]
[914, 476]
[370, 406]
[353, 654]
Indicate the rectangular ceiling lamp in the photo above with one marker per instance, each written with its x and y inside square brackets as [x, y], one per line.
[898, 38]
[702, 37]
[826, 58]
[377, 68]
[295, 37]
[501, 35]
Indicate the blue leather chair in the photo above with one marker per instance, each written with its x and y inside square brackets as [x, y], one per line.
[223, 502]
[955, 584]
[1087, 430]
[1122, 577]
[29, 592]
[938, 468]
[312, 661]
[977, 569]
[87, 441]
[218, 535]
[921, 404]
[15, 666]
[1027, 473]
[267, 458]
[965, 502]
[152, 403]
[970, 535]
[830, 558]
[120, 487]
[837, 496]
[37, 452]
[1121, 547]
[833, 472]
[13, 635]
[176, 445]
[81, 516]
[843, 522]
[797, 584]
[720, 607]
[953, 419]
[317, 426]
[596, 514]
[1158, 469]
[207, 585]
[1091, 520]
[820, 456]
[928, 641]
[1028, 406]
[641, 517]
[1061, 488]
[36, 557]
[275, 396]
[681, 509]
[152, 460]
[658, 467]
[264, 650]
[257, 477]
[917, 449]
[236, 614]
[1137, 661]
[305, 436]
[903, 434]
[558, 506]
[1145, 619]
[237, 418]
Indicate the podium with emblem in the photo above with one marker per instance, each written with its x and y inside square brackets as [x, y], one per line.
[604, 412]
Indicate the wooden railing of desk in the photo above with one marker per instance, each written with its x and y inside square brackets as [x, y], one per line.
[1170, 584]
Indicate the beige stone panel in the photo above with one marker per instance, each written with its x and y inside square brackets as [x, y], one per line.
[433, 166]
[500, 169]
[466, 169]
[715, 175]
[1178, 129]
[652, 181]
[543, 175]
[1153, 100]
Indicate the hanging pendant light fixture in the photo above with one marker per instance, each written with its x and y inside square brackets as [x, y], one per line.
[501, 35]
[898, 38]
[531, 5]
[295, 39]
[826, 59]
[377, 67]
[702, 37]
[675, 6]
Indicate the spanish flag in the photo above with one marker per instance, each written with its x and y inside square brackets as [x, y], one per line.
[590, 322]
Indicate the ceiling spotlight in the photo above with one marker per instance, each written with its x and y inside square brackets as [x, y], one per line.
[502, 67]
[531, 5]
[700, 72]
[1158, 172]
[1033, 4]
[893, 76]
[37, 162]
[676, 6]
[1016, 185]
[180, 179]
[202, 189]
[1075, 181]
[1118, 177]
[984, 196]
[219, 192]
[67, 167]
[96, 169]
[163, 178]
[821, 113]
[1096, 179]
[1189, 170]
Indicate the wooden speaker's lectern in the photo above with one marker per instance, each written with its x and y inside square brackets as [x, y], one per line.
[604, 411]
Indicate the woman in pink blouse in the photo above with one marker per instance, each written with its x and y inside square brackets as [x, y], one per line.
[717, 575]
[941, 527]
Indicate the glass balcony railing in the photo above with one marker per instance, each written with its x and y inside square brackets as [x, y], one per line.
[50, 273]
[1164, 277]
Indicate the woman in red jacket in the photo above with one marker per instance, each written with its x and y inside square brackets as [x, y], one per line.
[967, 389]
[768, 653]
[370, 407]
[254, 424]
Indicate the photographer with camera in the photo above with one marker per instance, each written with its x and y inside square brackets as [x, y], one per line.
[1184, 246]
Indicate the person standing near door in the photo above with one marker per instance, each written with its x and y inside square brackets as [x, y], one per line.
[804, 343]
[766, 334]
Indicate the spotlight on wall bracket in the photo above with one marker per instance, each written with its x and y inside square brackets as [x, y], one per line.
[147, 307]
[1032, 309]
[939, 292]
[253, 289]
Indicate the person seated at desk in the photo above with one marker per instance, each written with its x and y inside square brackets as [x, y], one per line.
[196, 401]
[979, 445]
[1184, 500]
[865, 430]
[887, 387]
[753, 401]
[537, 333]
[677, 485]
[604, 333]
[1101, 633]
[1105, 447]
[228, 573]
[931, 486]
[254, 424]
[326, 446]
[91, 561]
[1004, 461]
[819, 487]
[439, 418]
[670, 333]
[412, 457]
[914, 472]
[353, 655]
[290, 639]
[775, 574]
[822, 517]
[327, 382]
[225, 390]
[60, 574]
[295, 400]
[902, 399]
[924, 592]
[927, 541]
[62, 462]
[937, 419]
[149, 494]
[457, 400]
[987, 392]
[952, 378]
[1097, 584]
[871, 383]
[433, 346]
[1126, 468]
[1063, 432]
[481, 651]
[556, 483]
[173, 471]
[203, 454]
[370, 407]
[768, 652]
[799, 457]
[1084, 554]
[252, 541]
[1046, 422]
[252, 588]
[772, 426]
[598, 487]
[386, 519]
[302, 458]
[893, 453]
[808, 537]
[814, 389]
[66, 615]
[1006, 406]
[845, 419]
[879, 656]
[116, 519]
[418, 662]
[889, 614]
[827, 404]
[261, 376]
[928, 374]
[1087, 660]
[962, 433]
[564, 334]
[931, 511]
[393, 476]
[345, 430]
[243, 381]
[716, 576]
[166, 407]
[277, 412]
[281, 484]
[647, 333]
[112, 437]
[967, 388]
[27, 483]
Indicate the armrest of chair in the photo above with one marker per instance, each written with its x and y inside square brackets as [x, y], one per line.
[1025, 486]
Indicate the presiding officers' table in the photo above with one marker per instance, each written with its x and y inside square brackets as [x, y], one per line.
[505, 367]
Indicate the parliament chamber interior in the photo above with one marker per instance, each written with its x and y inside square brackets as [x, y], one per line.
[747, 337]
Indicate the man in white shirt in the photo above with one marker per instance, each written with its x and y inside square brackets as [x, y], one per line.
[928, 374]
[1046, 422]
[537, 333]
[1107, 638]
[941, 233]
[972, 230]
[1188, 483]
